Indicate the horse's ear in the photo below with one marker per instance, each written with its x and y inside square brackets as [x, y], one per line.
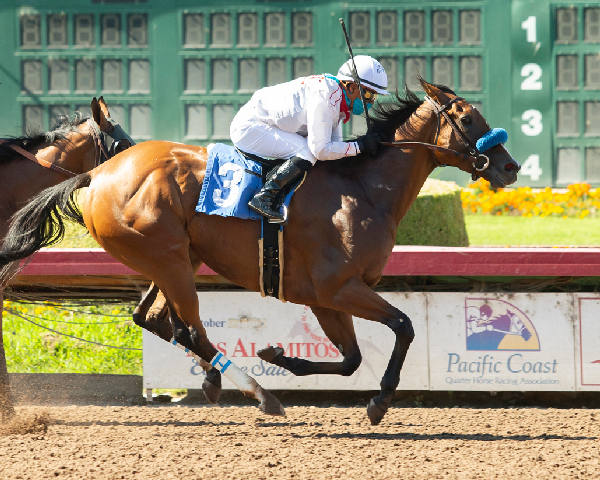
[99, 116]
[96, 111]
[433, 92]
[103, 107]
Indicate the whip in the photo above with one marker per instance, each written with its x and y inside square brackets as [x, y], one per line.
[355, 76]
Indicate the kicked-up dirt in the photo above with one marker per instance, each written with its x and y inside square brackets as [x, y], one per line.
[177, 442]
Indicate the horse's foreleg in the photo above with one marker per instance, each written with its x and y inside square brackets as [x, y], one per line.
[339, 329]
[7, 409]
[357, 299]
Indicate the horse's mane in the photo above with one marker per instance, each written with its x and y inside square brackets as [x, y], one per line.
[34, 136]
[386, 117]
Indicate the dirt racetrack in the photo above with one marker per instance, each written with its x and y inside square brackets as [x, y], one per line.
[177, 442]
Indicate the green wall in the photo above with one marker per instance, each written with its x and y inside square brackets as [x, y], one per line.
[181, 69]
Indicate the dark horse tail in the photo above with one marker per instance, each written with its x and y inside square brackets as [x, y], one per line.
[40, 223]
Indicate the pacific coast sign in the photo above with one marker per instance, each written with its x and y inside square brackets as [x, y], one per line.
[489, 342]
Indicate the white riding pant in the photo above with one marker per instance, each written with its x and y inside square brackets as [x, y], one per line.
[267, 141]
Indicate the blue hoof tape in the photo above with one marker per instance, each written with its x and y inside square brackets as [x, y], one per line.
[492, 138]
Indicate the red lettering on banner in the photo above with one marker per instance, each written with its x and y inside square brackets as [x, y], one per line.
[222, 347]
[305, 350]
[287, 351]
[239, 347]
[324, 348]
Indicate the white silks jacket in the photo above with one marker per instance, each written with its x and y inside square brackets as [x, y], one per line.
[310, 107]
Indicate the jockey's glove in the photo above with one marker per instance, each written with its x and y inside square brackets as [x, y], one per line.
[369, 143]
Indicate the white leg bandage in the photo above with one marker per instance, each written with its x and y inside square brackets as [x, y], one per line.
[204, 364]
[240, 379]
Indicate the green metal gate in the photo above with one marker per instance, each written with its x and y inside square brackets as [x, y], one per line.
[179, 70]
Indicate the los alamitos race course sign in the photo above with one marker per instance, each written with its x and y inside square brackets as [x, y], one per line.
[464, 341]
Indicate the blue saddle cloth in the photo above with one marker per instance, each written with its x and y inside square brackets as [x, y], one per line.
[228, 184]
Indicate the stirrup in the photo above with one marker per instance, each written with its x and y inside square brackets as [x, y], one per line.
[284, 220]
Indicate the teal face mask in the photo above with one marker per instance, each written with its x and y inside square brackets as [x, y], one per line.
[357, 107]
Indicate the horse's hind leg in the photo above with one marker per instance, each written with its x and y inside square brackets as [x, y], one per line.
[339, 328]
[181, 334]
[176, 280]
[154, 315]
[7, 409]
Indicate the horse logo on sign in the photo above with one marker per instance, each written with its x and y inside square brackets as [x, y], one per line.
[498, 325]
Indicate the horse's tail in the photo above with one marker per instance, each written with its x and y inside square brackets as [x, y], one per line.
[40, 223]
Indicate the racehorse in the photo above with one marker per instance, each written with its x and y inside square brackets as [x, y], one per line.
[140, 207]
[72, 147]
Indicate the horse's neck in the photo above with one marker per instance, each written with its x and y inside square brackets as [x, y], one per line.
[397, 175]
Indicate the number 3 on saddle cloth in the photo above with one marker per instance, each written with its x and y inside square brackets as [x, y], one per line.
[230, 182]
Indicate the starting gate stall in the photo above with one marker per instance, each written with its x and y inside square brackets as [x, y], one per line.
[179, 70]
[487, 319]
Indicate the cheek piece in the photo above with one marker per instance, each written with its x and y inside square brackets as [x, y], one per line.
[492, 138]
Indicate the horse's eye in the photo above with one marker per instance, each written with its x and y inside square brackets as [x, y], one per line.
[466, 119]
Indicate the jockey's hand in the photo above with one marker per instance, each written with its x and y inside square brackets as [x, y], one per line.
[369, 143]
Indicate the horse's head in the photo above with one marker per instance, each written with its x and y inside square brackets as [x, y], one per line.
[99, 138]
[460, 126]
[517, 326]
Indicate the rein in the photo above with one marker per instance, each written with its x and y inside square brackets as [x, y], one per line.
[41, 162]
[96, 136]
[475, 155]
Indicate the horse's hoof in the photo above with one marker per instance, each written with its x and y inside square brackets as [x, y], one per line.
[375, 412]
[270, 353]
[271, 406]
[138, 320]
[211, 392]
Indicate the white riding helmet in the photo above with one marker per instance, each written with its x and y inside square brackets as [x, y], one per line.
[370, 72]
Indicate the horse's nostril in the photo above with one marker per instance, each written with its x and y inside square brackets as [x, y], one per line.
[510, 166]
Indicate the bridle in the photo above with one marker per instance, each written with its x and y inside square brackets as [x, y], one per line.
[479, 160]
[100, 155]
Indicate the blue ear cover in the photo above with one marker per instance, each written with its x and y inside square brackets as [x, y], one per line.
[492, 138]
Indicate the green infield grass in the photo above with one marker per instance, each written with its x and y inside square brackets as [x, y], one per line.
[547, 231]
[32, 348]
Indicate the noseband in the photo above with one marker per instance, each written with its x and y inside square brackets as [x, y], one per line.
[479, 160]
[98, 136]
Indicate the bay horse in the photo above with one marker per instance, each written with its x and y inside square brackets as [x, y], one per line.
[75, 145]
[140, 207]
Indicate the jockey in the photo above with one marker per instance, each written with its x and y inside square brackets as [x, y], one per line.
[302, 121]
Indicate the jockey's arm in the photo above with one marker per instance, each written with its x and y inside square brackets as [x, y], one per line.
[337, 134]
[324, 143]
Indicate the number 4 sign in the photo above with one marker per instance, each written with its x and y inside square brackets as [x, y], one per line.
[532, 168]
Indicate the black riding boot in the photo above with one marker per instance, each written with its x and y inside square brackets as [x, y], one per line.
[264, 201]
